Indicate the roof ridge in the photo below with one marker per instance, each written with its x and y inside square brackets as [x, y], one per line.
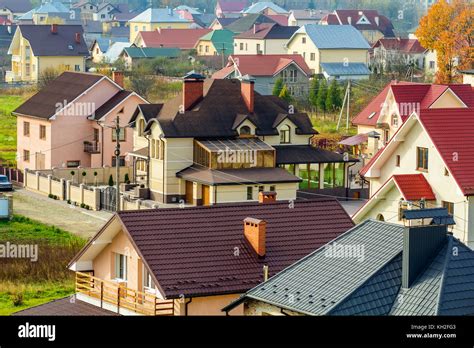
[443, 275]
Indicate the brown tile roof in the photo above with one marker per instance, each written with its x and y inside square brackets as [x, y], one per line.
[64, 307]
[110, 104]
[68, 86]
[202, 251]
[236, 176]
[295, 154]
[215, 115]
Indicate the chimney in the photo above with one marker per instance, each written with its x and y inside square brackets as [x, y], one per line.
[377, 20]
[118, 78]
[54, 28]
[255, 233]
[349, 20]
[267, 197]
[255, 28]
[77, 38]
[420, 245]
[247, 91]
[193, 90]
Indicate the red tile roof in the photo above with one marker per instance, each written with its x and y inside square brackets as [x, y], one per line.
[202, 250]
[384, 24]
[262, 65]
[414, 96]
[414, 186]
[184, 39]
[407, 46]
[451, 131]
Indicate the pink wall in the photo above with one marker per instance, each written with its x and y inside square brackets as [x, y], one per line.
[33, 143]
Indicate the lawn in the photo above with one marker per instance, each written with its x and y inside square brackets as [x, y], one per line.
[24, 283]
[8, 103]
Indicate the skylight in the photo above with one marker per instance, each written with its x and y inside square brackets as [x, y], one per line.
[372, 114]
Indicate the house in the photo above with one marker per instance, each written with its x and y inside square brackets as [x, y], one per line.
[184, 39]
[383, 116]
[36, 48]
[194, 261]
[265, 38]
[431, 62]
[230, 9]
[309, 16]
[221, 23]
[132, 55]
[12, 9]
[370, 23]
[49, 13]
[216, 43]
[247, 22]
[342, 46]
[154, 18]
[87, 9]
[101, 45]
[423, 165]
[105, 12]
[265, 7]
[219, 141]
[374, 269]
[398, 51]
[114, 51]
[61, 125]
[191, 10]
[266, 69]
[468, 76]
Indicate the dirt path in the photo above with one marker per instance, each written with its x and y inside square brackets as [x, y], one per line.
[84, 223]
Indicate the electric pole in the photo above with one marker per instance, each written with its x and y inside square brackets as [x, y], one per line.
[347, 98]
[117, 163]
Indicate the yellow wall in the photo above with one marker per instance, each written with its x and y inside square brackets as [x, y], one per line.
[212, 305]
[201, 47]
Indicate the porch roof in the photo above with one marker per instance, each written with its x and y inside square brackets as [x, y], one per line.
[142, 153]
[295, 154]
[256, 176]
[354, 140]
[245, 144]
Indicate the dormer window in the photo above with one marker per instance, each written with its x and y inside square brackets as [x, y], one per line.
[245, 131]
[285, 132]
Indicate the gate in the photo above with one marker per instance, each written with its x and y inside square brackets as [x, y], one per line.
[108, 199]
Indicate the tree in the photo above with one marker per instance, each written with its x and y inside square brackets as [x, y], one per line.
[142, 81]
[333, 99]
[47, 76]
[448, 29]
[285, 94]
[277, 88]
[111, 180]
[313, 91]
[322, 95]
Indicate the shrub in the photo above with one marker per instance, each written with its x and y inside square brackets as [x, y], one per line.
[83, 205]
[17, 299]
[50, 195]
[68, 201]
[111, 180]
[127, 178]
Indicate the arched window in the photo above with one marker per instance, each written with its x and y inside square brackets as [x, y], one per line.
[245, 130]
[285, 132]
[380, 217]
[141, 127]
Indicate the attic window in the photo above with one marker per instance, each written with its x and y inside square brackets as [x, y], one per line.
[372, 114]
[71, 47]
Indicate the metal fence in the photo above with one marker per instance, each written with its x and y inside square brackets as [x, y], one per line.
[13, 174]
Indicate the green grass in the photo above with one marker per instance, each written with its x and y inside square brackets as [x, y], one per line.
[327, 125]
[8, 103]
[23, 283]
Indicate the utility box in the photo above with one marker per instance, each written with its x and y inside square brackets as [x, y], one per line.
[6, 207]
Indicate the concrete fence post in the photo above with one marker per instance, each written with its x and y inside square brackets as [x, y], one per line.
[37, 181]
[68, 189]
[50, 190]
[25, 178]
[81, 191]
[96, 198]
[63, 194]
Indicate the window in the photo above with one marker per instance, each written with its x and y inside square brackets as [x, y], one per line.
[121, 161]
[77, 67]
[26, 155]
[312, 56]
[397, 161]
[290, 168]
[241, 46]
[73, 164]
[136, 27]
[258, 48]
[28, 69]
[200, 48]
[249, 193]
[121, 135]
[120, 267]
[432, 64]
[26, 129]
[285, 134]
[148, 283]
[141, 127]
[449, 206]
[303, 40]
[245, 130]
[422, 158]
[386, 136]
[207, 49]
[144, 28]
[333, 175]
[261, 188]
[394, 120]
[96, 134]
[293, 75]
[42, 132]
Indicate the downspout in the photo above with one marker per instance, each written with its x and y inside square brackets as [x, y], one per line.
[186, 306]
[347, 179]
[148, 161]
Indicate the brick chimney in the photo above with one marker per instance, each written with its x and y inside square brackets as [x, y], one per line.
[54, 28]
[267, 197]
[247, 90]
[118, 78]
[255, 232]
[193, 90]
[77, 38]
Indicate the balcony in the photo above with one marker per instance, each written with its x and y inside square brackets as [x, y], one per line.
[92, 147]
[116, 296]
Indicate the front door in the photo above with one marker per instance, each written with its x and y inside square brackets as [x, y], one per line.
[40, 160]
[206, 197]
[189, 192]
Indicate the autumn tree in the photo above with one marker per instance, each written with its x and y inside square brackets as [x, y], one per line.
[277, 87]
[285, 94]
[448, 28]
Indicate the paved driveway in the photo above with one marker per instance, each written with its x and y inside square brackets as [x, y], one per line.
[84, 223]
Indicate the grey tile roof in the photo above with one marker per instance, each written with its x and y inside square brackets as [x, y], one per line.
[322, 285]
[334, 36]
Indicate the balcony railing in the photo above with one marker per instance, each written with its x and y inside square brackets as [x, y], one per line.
[91, 147]
[122, 297]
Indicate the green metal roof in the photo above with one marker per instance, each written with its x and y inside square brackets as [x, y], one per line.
[150, 52]
[221, 39]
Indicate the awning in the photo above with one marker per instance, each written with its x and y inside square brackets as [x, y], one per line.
[354, 140]
[141, 153]
[255, 176]
[296, 154]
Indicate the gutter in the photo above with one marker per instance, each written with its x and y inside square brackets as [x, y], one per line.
[186, 306]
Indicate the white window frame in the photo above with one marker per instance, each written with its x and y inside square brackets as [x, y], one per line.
[118, 259]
